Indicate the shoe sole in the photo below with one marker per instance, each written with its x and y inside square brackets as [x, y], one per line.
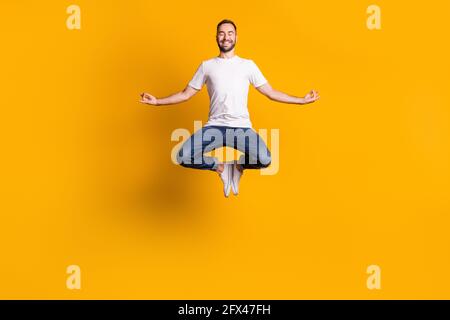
[235, 187]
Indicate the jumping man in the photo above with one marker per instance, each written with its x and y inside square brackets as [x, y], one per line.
[227, 77]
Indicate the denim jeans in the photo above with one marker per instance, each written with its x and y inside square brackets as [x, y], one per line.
[256, 155]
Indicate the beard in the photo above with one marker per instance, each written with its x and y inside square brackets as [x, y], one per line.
[224, 49]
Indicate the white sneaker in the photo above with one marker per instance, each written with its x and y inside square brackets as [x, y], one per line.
[226, 176]
[235, 178]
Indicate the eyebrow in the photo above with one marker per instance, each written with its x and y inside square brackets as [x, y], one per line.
[224, 31]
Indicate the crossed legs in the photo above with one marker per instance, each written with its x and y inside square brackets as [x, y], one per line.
[255, 155]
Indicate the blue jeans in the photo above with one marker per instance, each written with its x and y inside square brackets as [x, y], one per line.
[256, 155]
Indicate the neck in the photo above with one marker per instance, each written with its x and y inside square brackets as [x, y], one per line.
[227, 55]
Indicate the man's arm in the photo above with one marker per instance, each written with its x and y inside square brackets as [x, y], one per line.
[275, 95]
[175, 98]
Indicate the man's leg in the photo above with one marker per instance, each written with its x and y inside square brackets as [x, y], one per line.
[256, 154]
[191, 153]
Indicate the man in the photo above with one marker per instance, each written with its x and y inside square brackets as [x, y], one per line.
[227, 77]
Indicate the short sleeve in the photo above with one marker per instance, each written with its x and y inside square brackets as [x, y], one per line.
[257, 79]
[198, 79]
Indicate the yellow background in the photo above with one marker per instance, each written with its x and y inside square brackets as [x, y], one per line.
[86, 173]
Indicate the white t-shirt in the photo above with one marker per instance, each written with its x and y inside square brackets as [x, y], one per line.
[227, 80]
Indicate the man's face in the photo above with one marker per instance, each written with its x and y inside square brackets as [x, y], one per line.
[226, 37]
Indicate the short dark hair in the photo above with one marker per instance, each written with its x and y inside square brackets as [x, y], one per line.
[226, 21]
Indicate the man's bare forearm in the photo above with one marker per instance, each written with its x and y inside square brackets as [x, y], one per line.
[285, 98]
[172, 99]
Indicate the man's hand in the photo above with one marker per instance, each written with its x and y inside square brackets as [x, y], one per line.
[148, 99]
[311, 96]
